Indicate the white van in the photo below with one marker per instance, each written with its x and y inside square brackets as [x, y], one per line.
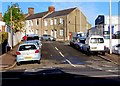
[94, 43]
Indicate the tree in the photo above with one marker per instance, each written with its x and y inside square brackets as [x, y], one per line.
[17, 17]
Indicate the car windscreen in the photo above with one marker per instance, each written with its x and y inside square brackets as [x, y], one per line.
[82, 40]
[32, 38]
[27, 47]
[97, 40]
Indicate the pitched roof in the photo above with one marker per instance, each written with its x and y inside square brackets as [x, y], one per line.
[61, 12]
[37, 15]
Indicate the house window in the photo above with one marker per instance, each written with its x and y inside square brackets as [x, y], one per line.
[61, 32]
[29, 23]
[37, 21]
[45, 22]
[51, 22]
[55, 21]
[45, 32]
[61, 20]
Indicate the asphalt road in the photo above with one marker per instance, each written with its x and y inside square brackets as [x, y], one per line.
[60, 55]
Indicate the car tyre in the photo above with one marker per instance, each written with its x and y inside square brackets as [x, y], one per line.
[18, 64]
[38, 61]
[88, 52]
[49, 39]
[103, 53]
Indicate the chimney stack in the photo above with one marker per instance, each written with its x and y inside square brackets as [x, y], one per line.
[51, 9]
[0, 16]
[30, 10]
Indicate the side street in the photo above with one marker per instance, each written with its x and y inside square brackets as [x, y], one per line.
[63, 25]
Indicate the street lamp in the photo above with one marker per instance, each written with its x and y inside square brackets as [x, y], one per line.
[11, 24]
[110, 42]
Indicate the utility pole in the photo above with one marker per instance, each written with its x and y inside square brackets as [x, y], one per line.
[11, 26]
[110, 42]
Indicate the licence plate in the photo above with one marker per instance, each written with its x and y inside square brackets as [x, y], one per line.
[93, 47]
[28, 57]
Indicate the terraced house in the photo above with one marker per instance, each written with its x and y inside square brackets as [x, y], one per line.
[56, 23]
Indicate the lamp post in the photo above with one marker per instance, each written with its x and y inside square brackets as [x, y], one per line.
[11, 26]
[110, 42]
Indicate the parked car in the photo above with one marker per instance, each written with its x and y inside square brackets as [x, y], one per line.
[34, 37]
[73, 41]
[40, 46]
[94, 43]
[80, 43]
[48, 37]
[28, 52]
[116, 49]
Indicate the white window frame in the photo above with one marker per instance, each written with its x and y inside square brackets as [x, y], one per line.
[45, 23]
[61, 20]
[55, 21]
[51, 22]
[61, 32]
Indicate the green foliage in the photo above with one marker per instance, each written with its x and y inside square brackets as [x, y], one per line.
[17, 17]
[3, 37]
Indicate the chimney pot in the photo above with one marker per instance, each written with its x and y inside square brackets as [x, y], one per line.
[0, 16]
[51, 9]
[30, 10]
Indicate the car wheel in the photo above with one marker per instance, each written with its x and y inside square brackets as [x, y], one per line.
[38, 61]
[88, 52]
[103, 53]
[18, 64]
[49, 39]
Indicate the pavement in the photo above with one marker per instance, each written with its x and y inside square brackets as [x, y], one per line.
[8, 60]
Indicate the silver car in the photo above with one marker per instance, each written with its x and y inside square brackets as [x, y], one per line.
[48, 37]
[34, 37]
[116, 49]
[28, 52]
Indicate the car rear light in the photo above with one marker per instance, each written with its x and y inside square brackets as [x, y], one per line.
[18, 53]
[37, 51]
[104, 47]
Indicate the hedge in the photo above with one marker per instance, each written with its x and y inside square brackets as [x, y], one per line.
[3, 37]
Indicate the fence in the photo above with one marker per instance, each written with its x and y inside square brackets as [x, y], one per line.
[17, 37]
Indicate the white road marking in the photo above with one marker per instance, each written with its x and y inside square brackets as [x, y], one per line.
[95, 67]
[112, 70]
[56, 48]
[67, 59]
[61, 54]
[70, 63]
[106, 76]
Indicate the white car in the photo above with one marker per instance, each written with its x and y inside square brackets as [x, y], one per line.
[116, 49]
[48, 37]
[94, 43]
[28, 52]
